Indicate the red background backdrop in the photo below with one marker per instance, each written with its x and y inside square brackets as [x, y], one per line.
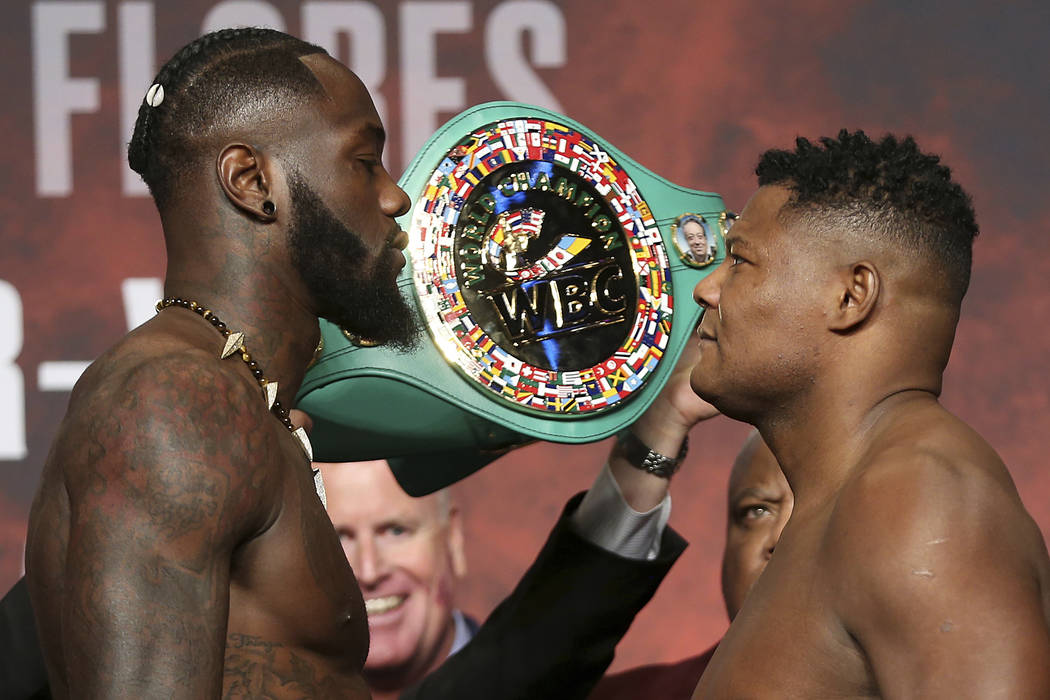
[693, 90]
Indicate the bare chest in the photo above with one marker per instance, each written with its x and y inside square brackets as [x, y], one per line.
[297, 618]
[787, 640]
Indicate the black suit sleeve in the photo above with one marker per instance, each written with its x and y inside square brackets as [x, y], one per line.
[22, 670]
[555, 635]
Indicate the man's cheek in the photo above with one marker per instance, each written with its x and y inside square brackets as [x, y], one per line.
[444, 591]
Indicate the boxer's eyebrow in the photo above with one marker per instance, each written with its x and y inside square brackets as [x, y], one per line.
[735, 242]
[370, 131]
[374, 131]
[370, 135]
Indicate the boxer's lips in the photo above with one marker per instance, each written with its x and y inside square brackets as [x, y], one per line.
[383, 604]
[704, 335]
[397, 240]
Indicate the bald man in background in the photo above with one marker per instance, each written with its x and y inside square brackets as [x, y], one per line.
[759, 505]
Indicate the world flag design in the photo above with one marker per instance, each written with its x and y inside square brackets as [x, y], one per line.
[435, 234]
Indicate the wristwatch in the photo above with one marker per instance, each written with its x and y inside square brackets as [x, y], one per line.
[641, 456]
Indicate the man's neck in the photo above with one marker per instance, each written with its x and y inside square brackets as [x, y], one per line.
[820, 440]
[280, 332]
[240, 271]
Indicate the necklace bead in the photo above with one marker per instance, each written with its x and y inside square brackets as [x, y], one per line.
[277, 409]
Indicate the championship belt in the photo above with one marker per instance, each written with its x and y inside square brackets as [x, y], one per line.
[554, 275]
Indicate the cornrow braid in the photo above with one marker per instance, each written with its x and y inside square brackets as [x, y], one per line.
[223, 73]
[886, 188]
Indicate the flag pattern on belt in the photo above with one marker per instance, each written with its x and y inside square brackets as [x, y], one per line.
[457, 334]
[564, 251]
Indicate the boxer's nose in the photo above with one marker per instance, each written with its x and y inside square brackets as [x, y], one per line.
[708, 290]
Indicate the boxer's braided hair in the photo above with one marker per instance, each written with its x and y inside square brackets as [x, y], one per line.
[885, 188]
[227, 76]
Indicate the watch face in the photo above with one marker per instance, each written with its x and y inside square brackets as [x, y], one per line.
[542, 274]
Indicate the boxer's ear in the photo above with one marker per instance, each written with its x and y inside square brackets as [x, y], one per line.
[857, 292]
[244, 176]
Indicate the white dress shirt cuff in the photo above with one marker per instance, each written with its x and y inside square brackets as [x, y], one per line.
[604, 518]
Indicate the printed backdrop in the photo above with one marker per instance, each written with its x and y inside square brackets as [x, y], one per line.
[693, 89]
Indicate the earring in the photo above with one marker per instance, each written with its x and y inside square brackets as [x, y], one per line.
[269, 208]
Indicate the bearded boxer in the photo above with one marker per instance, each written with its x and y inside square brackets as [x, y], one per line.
[177, 546]
[909, 566]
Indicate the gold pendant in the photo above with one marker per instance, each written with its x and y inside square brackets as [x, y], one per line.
[234, 342]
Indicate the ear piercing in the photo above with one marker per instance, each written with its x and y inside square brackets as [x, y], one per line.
[269, 208]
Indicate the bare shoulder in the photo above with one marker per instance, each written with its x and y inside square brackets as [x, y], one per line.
[934, 485]
[937, 570]
[166, 463]
[158, 419]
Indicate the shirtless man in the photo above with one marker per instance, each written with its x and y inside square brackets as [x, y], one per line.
[909, 567]
[759, 505]
[176, 546]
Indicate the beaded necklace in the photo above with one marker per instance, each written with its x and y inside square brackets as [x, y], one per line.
[235, 344]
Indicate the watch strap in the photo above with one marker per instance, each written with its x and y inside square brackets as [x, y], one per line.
[641, 456]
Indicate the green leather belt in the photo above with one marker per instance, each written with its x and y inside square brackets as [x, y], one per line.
[554, 276]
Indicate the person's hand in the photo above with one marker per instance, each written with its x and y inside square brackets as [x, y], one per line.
[663, 427]
[677, 409]
[678, 399]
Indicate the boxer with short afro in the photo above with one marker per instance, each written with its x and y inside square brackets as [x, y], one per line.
[176, 545]
[909, 567]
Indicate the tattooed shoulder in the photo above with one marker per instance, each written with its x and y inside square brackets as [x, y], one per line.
[181, 433]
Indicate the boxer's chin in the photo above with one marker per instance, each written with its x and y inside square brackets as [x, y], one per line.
[700, 378]
[380, 316]
[704, 384]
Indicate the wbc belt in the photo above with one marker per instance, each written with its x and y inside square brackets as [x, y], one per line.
[554, 276]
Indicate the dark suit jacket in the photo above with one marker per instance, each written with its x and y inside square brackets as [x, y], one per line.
[556, 633]
[22, 671]
[552, 638]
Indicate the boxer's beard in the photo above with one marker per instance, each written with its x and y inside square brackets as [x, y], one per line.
[351, 288]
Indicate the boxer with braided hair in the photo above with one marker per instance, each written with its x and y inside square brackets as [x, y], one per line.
[178, 545]
[211, 83]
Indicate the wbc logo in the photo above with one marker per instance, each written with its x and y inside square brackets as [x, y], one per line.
[541, 271]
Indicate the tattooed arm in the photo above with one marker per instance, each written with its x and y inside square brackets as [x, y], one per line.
[166, 485]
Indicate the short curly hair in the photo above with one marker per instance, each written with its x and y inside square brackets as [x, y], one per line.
[225, 76]
[886, 188]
